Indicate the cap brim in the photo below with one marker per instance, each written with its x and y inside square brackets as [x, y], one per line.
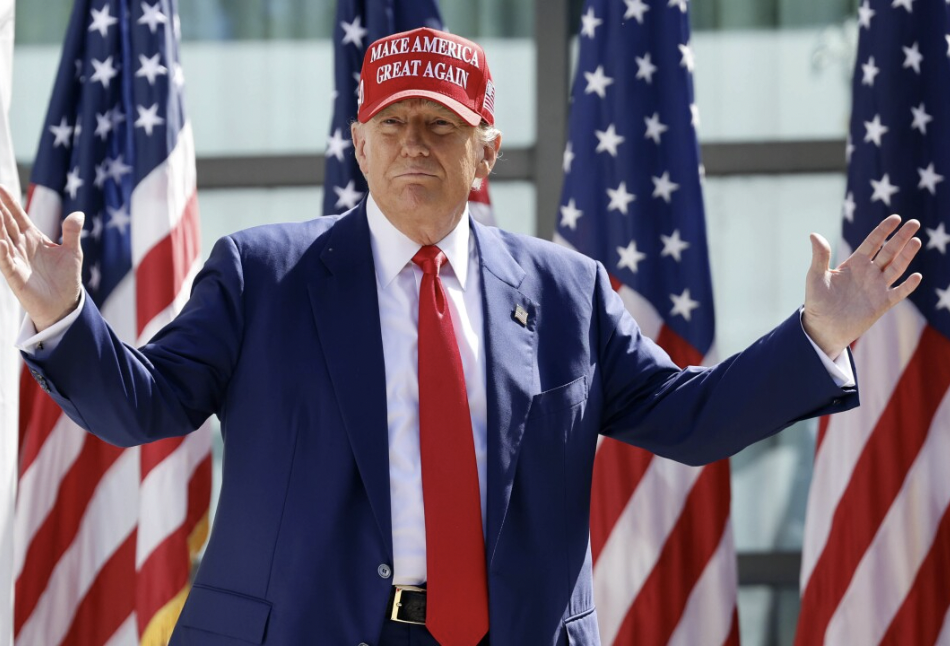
[469, 116]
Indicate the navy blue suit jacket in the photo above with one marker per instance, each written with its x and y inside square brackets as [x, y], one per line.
[281, 340]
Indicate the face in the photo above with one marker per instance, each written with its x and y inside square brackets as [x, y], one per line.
[420, 160]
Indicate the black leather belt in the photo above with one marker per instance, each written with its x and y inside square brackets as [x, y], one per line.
[408, 604]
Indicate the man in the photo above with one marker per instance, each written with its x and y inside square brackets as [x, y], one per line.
[410, 428]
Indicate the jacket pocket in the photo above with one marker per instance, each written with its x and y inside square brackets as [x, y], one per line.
[226, 613]
[582, 629]
[558, 399]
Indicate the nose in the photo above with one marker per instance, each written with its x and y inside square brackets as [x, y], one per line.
[414, 139]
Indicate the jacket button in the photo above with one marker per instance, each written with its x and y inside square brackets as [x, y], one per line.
[384, 571]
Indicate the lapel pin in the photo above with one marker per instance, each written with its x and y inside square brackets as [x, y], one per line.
[521, 315]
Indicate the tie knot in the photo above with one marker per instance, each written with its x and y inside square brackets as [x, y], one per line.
[430, 259]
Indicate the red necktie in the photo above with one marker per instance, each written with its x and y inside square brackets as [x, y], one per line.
[457, 586]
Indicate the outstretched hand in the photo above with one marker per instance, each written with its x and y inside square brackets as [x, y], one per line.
[842, 303]
[45, 277]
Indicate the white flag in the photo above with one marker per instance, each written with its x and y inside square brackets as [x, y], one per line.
[9, 359]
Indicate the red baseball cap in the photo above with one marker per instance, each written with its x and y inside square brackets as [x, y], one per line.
[428, 64]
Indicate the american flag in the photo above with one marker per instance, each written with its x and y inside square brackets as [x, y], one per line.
[359, 23]
[876, 556]
[104, 537]
[661, 538]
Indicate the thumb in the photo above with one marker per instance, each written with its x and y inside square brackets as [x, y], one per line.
[72, 231]
[820, 253]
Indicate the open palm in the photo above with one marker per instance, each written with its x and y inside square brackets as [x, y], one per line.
[45, 277]
[842, 303]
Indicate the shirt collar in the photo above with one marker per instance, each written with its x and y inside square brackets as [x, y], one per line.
[393, 250]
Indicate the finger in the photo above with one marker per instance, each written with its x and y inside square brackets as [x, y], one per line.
[906, 288]
[820, 253]
[896, 244]
[72, 231]
[10, 229]
[876, 238]
[12, 204]
[897, 267]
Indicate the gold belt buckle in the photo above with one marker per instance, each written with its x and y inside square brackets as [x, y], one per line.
[397, 603]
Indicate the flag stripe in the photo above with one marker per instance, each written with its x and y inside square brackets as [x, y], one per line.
[108, 522]
[688, 549]
[848, 432]
[108, 603]
[925, 488]
[76, 490]
[921, 616]
[618, 470]
[39, 415]
[622, 571]
[911, 409]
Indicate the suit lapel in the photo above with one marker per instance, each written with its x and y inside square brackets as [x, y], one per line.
[510, 349]
[346, 310]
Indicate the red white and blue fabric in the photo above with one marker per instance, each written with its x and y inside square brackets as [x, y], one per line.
[661, 537]
[877, 533]
[104, 537]
[359, 23]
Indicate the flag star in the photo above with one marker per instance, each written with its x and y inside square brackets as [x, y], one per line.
[152, 16]
[875, 130]
[630, 256]
[848, 209]
[921, 118]
[102, 174]
[77, 130]
[337, 144]
[103, 125]
[943, 299]
[938, 238]
[883, 190]
[694, 114]
[686, 59]
[865, 13]
[673, 245]
[117, 115]
[635, 9]
[570, 214]
[101, 20]
[948, 45]
[929, 179]
[104, 73]
[95, 277]
[848, 150]
[654, 128]
[681, 4]
[590, 23]
[663, 187]
[178, 76]
[96, 231]
[62, 134]
[870, 70]
[597, 82]
[73, 182]
[620, 198]
[907, 4]
[347, 197]
[78, 64]
[151, 68]
[683, 305]
[608, 140]
[645, 68]
[118, 219]
[353, 32]
[148, 118]
[118, 168]
[568, 157]
[913, 57]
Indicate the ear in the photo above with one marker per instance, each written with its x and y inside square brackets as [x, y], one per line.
[359, 144]
[489, 157]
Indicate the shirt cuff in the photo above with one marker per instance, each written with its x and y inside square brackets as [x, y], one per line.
[31, 342]
[839, 369]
